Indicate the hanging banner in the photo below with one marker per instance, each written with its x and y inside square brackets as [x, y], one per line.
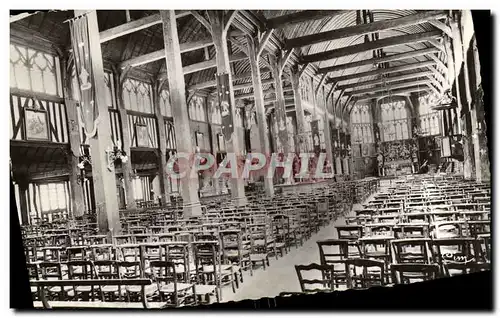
[225, 105]
[89, 112]
[315, 137]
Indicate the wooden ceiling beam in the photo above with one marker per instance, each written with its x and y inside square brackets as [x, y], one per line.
[392, 93]
[442, 26]
[386, 80]
[369, 46]
[212, 83]
[362, 29]
[301, 16]
[378, 60]
[135, 25]
[160, 54]
[268, 91]
[380, 71]
[389, 87]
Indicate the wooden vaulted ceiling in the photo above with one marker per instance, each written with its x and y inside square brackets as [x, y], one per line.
[334, 35]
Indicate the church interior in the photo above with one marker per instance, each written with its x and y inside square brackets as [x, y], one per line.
[391, 102]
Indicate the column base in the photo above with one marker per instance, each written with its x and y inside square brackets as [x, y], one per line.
[268, 187]
[192, 210]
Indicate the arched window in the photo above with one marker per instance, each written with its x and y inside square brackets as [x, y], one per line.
[394, 121]
[166, 108]
[429, 118]
[196, 109]
[137, 96]
[34, 71]
[361, 124]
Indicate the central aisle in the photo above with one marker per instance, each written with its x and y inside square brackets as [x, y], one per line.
[280, 276]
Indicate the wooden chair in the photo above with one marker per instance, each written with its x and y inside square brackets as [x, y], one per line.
[235, 251]
[334, 253]
[83, 269]
[262, 244]
[170, 290]
[364, 273]
[53, 271]
[455, 251]
[321, 275]
[108, 269]
[209, 273]
[407, 273]
[413, 250]
[281, 231]
[352, 233]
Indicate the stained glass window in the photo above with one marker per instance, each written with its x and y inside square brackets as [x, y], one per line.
[34, 71]
[395, 121]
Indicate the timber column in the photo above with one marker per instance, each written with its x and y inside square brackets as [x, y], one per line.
[219, 27]
[299, 110]
[162, 141]
[260, 109]
[177, 89]
[326, 129]
[103, 174]
[126, 142]
[23, 185]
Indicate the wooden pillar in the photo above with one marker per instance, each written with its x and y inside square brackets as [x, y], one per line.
[219, 36]
[23, 201]
[481, 152]
[162, 145]
[177, 88]
[75, 184]
[104, 178]
[457, 53]
[280, 110]
[469, 164]
[299, 110]
[260, 109]
[326, 129]
[126, 142]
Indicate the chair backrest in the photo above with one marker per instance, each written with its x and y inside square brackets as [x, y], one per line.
[107, 269]
[50, 270]
[364, 273]
[81, 269]
[321, 277]
[333, 251]
[406, 273]
[455, 250]
[413, 250]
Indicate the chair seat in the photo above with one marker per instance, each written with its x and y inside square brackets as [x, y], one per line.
[57, 289]
[205, 289]
[170, 288]
[258, 257]
[234, 253]
[83, 289]
[280, 245]
[150, 289]
[109, 289]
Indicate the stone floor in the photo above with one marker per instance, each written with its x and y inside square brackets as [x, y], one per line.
[280, 276]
